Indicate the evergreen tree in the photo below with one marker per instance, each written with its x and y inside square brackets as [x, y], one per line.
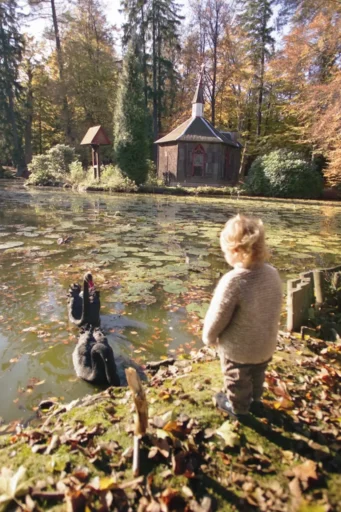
[11, 46]
[131, 119]
[157, 21]
[136, 27]
[164, 21]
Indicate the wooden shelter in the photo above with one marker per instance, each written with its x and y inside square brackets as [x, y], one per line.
[96, 137]
[196, 153]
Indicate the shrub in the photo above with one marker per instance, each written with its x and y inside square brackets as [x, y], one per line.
[52, 167]
[61, 157]
[152, 179]
[5, 173]
[215, 191]
[284, 173]
[113, 178]
[77, 173]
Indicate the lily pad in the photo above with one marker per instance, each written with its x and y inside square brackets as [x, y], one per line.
[198, 280]
[135, 292]
[10, 245]
[44, 254]
[29, 234]
[175, 286]
[162, 258]
[46, 242]
[198, 309]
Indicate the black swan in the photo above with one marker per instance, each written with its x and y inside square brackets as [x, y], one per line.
[84, 307]
[93, 359]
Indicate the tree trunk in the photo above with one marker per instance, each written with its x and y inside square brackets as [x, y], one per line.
[29, 116]
[241, 173]
[261, 77]
[144, 57]
[155, 102]
[66, 111]
[214, 79]
[159, 84]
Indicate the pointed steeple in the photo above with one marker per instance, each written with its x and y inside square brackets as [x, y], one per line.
[198, 98]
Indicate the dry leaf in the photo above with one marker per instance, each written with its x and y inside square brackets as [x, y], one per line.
[227, 433]
[305, 471]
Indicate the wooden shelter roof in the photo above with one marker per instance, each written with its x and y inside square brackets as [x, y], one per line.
[198, 129]
[97, 136]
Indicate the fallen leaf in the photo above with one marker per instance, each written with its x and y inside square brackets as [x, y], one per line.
[11, 484]
[227, 433]
[305, 471]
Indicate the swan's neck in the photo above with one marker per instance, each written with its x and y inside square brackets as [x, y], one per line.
[85, 298]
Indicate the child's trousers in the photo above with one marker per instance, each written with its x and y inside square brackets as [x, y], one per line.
[243, 383]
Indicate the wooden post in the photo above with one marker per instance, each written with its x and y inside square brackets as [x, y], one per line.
[96, 161]
[318, 286]
[98, 165]
[141, 418]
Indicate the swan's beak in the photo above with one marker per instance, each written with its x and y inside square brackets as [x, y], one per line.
[91, 284]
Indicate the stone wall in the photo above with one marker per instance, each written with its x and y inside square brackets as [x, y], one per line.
[306, 291]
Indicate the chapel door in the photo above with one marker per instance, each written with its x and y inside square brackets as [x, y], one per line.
[227, 166]
[198, 161]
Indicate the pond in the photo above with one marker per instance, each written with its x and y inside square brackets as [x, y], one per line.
[155, 259]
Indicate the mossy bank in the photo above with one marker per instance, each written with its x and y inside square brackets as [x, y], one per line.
[287, 457]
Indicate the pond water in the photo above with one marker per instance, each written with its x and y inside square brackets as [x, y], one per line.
[136, 247]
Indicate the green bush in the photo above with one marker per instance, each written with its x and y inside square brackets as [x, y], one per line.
[77, 173]
[52, 167]
[284, 173]
[152, 179]
[5, 173]
[113, 178]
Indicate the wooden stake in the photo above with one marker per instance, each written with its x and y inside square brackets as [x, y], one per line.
[141, 418]
[136, 456]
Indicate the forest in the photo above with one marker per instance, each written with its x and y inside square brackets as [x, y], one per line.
[272, 74]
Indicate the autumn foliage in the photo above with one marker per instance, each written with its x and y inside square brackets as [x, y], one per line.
[272, 74]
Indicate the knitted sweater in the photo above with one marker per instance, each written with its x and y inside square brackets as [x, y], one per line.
[244, 313]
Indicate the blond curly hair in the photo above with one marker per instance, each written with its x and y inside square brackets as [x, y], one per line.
[244, 238]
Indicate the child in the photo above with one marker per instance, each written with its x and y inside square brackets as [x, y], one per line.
[243, 316]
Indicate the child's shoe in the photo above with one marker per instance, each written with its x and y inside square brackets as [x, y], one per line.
[223, 404]
[257, 408]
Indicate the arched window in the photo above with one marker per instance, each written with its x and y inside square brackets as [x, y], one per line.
[198, 161]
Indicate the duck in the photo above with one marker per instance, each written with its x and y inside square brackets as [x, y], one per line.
[84, 306]
[93, 358]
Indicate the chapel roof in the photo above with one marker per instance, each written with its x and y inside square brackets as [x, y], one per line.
[198, 129]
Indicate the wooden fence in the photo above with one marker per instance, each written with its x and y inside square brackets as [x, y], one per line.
[307, 290]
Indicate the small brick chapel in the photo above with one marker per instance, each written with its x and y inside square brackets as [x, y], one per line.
[195, 153]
